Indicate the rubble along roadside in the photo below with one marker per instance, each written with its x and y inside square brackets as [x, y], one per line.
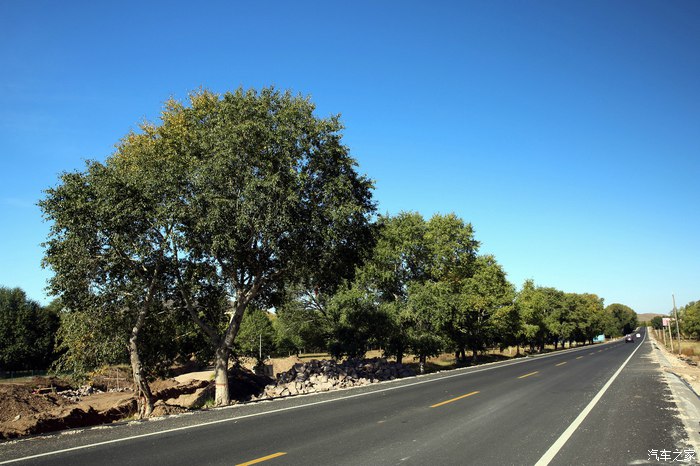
[28, 410]
[324, 375]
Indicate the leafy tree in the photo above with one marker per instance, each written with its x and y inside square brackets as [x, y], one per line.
[533, 307]
[624, 319]
[27, 331]
[657, 322]
[412, 260]
[303, 324]
[256, 337]
[109, 247]
[558, 319]
[88, 340]
[287, 340]
[269, 197]
[421, 318]
[482, 297]
[588, 314]
[689, 316]
[400, 259]
[357, 322]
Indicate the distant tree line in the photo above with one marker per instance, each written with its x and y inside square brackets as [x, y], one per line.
[425, 290]
[27, 332]
[238, 203]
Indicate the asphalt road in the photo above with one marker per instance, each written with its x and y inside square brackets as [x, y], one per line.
[507, 413]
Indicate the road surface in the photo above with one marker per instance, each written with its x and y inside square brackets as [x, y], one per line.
[601, 404]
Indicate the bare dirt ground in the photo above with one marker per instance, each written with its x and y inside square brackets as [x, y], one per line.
[36, 406]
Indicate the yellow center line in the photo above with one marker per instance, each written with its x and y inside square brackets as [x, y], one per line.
[528, 375]
[453, 399]
[561, 363]
[264, 458]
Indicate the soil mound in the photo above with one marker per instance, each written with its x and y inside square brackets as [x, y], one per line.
[36, 407]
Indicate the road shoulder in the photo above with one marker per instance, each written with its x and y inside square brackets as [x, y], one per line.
[684, 384]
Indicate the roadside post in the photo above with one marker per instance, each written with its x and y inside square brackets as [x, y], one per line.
[678, 330]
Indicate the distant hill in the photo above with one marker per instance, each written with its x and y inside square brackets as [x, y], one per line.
[647, 317]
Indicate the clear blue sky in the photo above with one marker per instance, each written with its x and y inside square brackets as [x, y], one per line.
[566, 132]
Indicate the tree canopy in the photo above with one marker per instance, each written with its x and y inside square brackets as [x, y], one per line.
[237, 203]
[223, 205]
[27, 332]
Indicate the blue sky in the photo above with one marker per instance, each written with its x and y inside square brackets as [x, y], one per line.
[566, 132]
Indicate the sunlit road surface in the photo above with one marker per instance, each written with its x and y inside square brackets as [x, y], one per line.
[602, 404]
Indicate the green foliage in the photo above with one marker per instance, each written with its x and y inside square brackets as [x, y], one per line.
[89, 340]
[246, 201]
[27, 332]
[110, 250]
[357, 323]
[689, 316]
[534, 308]
[552, 316]
[623, 319]
[486, 302]
[421, 318]
[225, 204]
[256, 336]
[657, 322]
[302, 322]
[286, 340]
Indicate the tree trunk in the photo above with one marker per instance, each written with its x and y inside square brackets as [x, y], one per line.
[143, 390]
[421, 363]
[221, 396]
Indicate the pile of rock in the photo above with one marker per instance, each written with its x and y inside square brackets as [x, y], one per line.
[76, 394]
[322, 376]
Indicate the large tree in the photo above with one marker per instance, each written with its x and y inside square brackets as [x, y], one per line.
[223, 205]
[267, 197]
[109, 249]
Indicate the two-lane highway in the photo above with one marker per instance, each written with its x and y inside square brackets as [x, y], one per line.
[517, 412]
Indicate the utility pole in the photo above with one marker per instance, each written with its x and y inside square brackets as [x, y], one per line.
[678, 330]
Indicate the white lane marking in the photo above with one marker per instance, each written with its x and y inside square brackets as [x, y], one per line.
[563, 438]
[467, 371]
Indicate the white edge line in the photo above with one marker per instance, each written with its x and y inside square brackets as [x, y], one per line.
[289, 408]
[564, 437]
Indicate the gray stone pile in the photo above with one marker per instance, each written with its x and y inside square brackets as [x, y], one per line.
[322, 376]
[76, 394]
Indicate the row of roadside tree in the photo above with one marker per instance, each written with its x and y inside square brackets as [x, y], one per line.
[247, 201]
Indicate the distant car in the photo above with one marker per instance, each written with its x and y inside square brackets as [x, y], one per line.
[639, 336]
[629, 339]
